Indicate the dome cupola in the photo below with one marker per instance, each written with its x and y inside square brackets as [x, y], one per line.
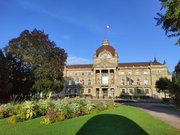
[105, 46]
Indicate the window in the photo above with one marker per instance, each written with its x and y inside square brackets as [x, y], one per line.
[137, 73]
[158, 71]
[89, 90]
[138, 81]
[123, 91]
[105, 78]
[77, 80]
[131, 91]
[89, 73]
[75, 91]
[68, 91]
[82, 74]
[70, 82]
[122, 82]
[145, 72]
[129, 73]
[89, 82]
[122, 73]
[145, 82]
[147, 91]
[138, 91]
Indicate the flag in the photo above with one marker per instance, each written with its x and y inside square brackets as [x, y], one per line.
[129, 80]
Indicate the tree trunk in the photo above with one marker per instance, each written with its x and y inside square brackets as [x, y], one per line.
[165, 95]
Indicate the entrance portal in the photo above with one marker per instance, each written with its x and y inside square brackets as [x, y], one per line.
[105, 92]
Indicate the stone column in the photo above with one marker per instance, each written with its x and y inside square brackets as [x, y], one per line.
[100, 77]
[94, 83]
[115, 81]
[94, 78]
[109, 80]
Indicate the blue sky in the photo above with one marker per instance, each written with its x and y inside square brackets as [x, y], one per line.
[78, 26]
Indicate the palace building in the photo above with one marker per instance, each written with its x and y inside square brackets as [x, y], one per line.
[108, 78]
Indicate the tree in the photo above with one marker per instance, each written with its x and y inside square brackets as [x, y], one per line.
[170, 20]
[20, 77]
[38, 56]
[4, 76]
[175, 85]
[162, 85]
[177, 69]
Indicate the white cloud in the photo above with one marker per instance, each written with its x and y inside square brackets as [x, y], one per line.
[77, 60]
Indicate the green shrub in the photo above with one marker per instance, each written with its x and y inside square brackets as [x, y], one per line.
[53, 116]
[46, 121]
[41, 106]
[60, 117]
[52, 110]
[14, 119]
[7, 110]
[94, 111]
[28, 109]
[89, 106]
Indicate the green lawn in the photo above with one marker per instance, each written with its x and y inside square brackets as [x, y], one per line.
[124, 120]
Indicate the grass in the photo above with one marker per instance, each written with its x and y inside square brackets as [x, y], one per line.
[124, 120]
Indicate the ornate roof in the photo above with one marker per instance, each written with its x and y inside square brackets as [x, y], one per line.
[105, 46]
[80, 66]
[134, 64]
[138, 64]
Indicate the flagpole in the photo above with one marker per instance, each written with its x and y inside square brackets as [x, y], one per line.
[107, 26]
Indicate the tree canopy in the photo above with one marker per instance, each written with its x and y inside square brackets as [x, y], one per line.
[37, 61]
[162, 85]
[4, 75]
[170, 20]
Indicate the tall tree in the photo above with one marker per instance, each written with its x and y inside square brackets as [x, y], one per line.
[20, 76]
[170, 20]
[175, 85]
[162, 85]
[177, 69]
[40, 57]
[4, 76]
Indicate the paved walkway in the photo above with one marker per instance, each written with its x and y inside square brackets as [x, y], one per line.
[168, 116]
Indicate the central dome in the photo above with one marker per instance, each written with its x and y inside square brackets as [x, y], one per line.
[105, 46]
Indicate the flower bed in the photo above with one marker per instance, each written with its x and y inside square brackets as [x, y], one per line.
[52, 110]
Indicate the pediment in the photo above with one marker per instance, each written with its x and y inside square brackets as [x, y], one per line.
[105, 64]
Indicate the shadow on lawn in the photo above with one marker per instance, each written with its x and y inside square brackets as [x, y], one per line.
[109, 124]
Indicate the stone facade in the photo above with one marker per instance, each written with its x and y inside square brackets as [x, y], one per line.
[108, 78]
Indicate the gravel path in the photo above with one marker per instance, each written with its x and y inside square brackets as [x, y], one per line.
[171, 117]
